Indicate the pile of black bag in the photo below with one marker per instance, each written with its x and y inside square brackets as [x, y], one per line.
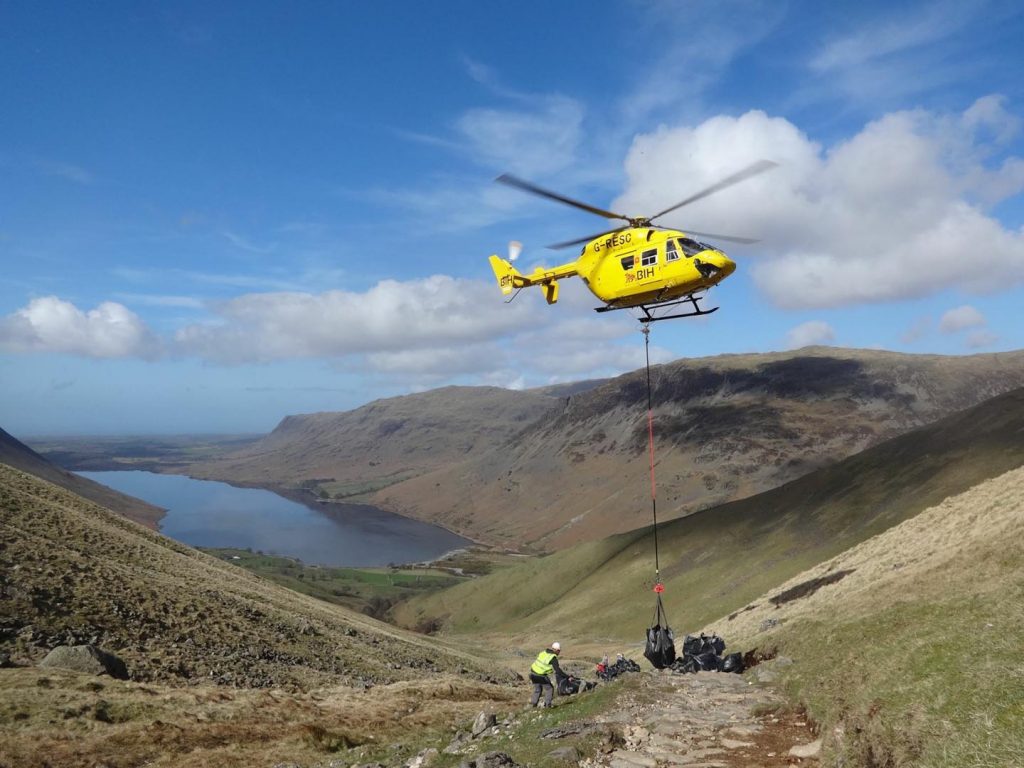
[704, 653]
[620, 667]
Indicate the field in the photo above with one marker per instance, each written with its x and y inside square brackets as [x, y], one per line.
[367, 590]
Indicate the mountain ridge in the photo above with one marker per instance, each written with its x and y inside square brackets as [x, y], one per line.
[725, 428]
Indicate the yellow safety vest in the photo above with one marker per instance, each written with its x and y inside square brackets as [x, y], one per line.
[542, 666]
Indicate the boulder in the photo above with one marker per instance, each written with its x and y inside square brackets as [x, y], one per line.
[491, 760]
[85, 658]
[424, 759]
[566, 754]
[483, 721]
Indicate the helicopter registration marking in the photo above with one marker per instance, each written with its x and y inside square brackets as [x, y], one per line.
[613, 241]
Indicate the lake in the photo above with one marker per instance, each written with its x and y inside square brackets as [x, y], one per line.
[203, 513]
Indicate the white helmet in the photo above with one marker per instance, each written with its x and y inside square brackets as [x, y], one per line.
[556, 646]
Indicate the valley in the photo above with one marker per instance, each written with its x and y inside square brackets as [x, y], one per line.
[858, 582]
[540, 470]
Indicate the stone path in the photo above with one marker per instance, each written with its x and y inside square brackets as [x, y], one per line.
[707, 720]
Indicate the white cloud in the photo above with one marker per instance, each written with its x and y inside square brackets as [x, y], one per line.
[961, 318]
[895, 55]
[419, 333]
[424, 333]
[390, 317]
[883, 216]
[883, 38]
[810, 333]
[439, 360]
[532, 142]
[50, 324]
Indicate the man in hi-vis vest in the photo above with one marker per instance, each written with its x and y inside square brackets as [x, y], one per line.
[546, 663]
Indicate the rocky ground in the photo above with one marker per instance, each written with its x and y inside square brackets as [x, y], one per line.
[651, 720]
[709, 720]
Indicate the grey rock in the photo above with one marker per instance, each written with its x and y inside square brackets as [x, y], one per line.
[568, 754]
[633, 759]
[85, 658]
[806, 750]
[456, 745]
[769, 624]
[490, 760]
[768, 671]
[483, 721]
[424, 759]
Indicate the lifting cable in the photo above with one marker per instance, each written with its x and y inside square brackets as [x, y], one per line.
[659, 611]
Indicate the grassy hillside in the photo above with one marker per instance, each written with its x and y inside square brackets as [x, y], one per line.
[718, 561]
[913, 657]
[18, 455]
[73, 572]
[726, 427]
[360, 451]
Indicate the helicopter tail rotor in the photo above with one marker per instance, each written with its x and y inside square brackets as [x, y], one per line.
[514, 249]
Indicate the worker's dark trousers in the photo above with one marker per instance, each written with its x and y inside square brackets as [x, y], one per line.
[541, 682]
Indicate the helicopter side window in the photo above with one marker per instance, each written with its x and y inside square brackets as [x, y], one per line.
[649, 258]
[671, 254]
[628, 261]
[691, 247]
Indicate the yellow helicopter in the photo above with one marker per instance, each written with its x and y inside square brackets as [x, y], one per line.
[640, 264]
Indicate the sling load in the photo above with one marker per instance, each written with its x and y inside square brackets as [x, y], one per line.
[660, 648]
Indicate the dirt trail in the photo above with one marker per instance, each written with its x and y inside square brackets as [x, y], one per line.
[708, 720]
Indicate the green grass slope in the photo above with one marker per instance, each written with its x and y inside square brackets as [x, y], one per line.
[913, 657]
[74, 572]
[717, 561]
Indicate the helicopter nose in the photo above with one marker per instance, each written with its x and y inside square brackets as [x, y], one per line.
[727, 265]
[715, 264]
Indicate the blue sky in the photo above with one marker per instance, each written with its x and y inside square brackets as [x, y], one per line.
[214, 215]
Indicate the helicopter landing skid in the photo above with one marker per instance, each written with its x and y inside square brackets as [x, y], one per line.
[650, 318]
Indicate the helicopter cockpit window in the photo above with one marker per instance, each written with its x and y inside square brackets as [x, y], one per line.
[649, 258]
[671, 254]
[691, 247]
[628, 261]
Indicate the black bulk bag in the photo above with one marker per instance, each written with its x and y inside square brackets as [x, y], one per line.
[709, 662]
[660, 649]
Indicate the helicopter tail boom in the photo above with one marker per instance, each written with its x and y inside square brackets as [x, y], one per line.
[510, 279]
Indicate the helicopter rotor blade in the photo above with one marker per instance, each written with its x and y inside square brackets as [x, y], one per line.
[587, 239]
[526, 186]
[750, 171]
[727, 238]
